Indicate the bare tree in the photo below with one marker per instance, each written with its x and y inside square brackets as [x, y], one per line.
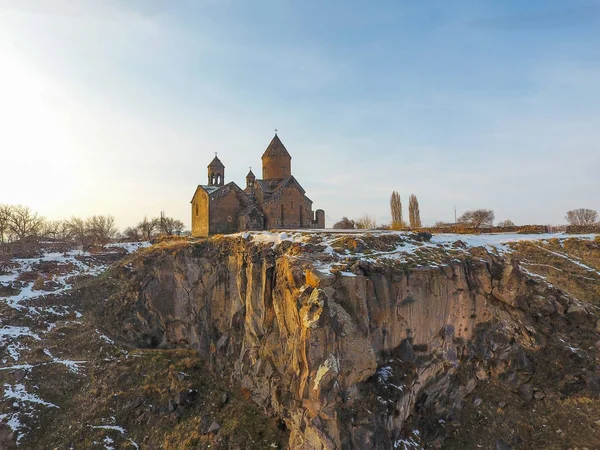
[478, 218]
[178, 227]
[414, 215]
[100, 229]
[132, 234]
[169, 226]
[63, 232]
[345, 224]
[506, 223]
[23, 222]
[582, 216]
[5, 215]
[147, 227]
[365, 222]
[78, 230]
[396, 210]
[50, 229]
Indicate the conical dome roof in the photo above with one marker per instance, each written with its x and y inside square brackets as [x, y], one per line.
[216, 163]
[276, 148]
[251, 174]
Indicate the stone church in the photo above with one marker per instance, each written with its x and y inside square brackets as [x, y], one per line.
[275, 201]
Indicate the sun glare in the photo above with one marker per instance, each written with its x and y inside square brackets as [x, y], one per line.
[34, 141]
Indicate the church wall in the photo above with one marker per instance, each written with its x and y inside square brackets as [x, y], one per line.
[200, 214]
[291, 200]
[224, 210]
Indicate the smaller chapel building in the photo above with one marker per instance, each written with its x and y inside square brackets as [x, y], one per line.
[275, 201]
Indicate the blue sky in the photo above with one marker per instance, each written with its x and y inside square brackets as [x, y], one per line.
[116, 107]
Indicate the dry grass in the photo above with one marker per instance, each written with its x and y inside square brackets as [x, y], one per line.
[551, 423]
[560, 262]
[137, 390]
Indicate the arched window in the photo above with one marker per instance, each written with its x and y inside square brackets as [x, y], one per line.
[282, 214]
[301, 218]
[196, 209]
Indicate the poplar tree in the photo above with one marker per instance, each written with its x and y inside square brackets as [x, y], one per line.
[396, 209]
[414, 215]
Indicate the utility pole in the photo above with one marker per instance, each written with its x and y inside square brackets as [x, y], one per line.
[454, 214]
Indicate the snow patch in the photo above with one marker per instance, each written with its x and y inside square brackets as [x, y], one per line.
[408, 443]
[130, 247]
[81, 262]
[269, 237]
[109, 427]
[19, 393]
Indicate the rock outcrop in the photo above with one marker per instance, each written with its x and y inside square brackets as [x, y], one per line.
[348, 355]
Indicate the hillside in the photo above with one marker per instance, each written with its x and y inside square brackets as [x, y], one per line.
[306, 340]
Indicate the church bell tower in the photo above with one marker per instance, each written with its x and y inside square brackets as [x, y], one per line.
[216, 172]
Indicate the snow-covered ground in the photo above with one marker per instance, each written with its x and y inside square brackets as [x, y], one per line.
[69, 264]
[268, 237]
[501, 239]
[498, 240]
[408, 249]
[28, 320]
[130, 247]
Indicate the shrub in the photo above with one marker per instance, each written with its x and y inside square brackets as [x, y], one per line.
[38, 284]
[345, 224]
[423, 236]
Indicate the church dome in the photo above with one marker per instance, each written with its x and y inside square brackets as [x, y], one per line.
[276, 148]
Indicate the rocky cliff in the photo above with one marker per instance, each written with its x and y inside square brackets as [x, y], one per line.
[367, 341]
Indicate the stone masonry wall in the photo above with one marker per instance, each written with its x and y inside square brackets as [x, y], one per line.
[200, 214]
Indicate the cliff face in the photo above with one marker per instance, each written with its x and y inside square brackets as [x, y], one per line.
[351, 351]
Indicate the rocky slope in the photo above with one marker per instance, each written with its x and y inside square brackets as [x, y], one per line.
[66, 384]
[368, 341]
[326, 341]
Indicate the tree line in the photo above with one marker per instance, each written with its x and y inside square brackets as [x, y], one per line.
[147, 229]
[18, 223]
[476, 219]
[398, 222]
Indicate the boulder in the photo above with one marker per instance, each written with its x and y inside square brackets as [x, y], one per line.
[526, 392]
[502, 445]
[214, 428]
[577, 314]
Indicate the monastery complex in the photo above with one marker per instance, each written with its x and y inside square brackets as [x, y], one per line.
[275, 201]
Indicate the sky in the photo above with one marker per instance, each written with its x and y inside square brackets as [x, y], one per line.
[117, 107]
